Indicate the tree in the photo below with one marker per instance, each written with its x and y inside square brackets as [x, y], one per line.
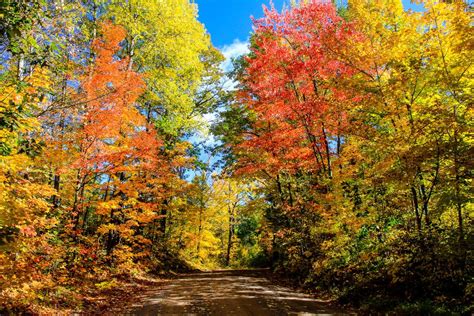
[167, 43]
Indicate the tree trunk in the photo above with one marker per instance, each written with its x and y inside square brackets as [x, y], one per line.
[56, 183]
[198, 247]
[328, 152]
[230, 235]
[163, 213]
[462, 242]
[416, 206]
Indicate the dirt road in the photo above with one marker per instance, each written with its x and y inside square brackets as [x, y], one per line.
[228, 293]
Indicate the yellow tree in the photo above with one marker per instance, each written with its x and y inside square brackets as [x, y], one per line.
[448, 32]
[24, 194]
[196, 222]
[396, 114]
[237, 208]
[167, 42]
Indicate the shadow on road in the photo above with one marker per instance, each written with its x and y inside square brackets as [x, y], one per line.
[236, 292]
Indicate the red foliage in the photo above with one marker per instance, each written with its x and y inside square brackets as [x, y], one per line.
[292, 85]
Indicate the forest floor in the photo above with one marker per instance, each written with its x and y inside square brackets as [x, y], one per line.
[226, 292]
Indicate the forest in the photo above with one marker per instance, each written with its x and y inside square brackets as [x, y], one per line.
[342, 155]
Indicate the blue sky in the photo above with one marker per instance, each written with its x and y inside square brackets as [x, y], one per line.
[228, 20]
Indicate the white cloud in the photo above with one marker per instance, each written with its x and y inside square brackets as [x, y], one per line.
[234, 50]
[231, 51]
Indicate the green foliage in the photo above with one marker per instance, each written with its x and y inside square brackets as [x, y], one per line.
[18, 19]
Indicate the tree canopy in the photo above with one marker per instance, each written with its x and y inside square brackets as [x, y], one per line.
[343, 158]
